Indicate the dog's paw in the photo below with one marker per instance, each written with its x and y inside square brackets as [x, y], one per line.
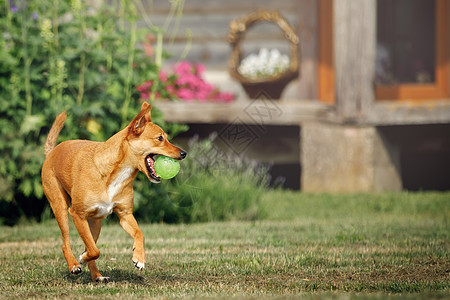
[139, 265]
[76, 270]
[102, 279]
[81, 260]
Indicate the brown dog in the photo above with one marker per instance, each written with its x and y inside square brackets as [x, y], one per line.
[90, 180]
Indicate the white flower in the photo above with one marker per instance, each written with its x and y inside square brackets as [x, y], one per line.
[266, 63]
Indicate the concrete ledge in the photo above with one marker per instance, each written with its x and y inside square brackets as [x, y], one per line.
[338, 158]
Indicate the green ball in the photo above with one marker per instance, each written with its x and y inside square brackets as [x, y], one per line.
[166, 167]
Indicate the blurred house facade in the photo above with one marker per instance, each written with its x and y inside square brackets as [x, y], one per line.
[370, 110]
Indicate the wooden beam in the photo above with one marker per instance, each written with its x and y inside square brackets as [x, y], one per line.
[256, 112]
[409, 113]
[354, 57]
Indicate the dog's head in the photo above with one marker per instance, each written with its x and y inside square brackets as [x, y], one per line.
[146, 140]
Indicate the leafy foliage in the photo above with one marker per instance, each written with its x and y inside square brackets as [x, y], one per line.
[63, 55]
[55, 56]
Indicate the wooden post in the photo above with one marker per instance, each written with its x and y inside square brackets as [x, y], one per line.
[354, 57]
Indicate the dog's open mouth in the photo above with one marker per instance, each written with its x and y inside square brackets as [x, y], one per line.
[150, 164]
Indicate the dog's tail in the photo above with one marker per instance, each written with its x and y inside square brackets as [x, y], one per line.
[50, 142]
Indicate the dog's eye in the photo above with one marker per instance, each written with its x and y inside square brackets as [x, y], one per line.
[160, 138]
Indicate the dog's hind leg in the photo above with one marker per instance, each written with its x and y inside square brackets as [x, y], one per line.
[59, 202]
[95, 226]
[82, 225]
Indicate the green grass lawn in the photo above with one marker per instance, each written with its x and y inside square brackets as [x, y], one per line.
[332, 246]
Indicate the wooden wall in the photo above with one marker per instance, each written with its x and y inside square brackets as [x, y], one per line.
[208, 21]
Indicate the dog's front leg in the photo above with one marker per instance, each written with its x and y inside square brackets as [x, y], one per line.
[129, 224]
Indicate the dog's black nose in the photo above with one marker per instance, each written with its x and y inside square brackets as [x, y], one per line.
[183, 154]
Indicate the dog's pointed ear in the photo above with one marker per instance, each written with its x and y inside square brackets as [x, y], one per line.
[137, 126]
[148, 108]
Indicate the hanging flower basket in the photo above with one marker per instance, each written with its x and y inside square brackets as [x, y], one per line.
[268, 86]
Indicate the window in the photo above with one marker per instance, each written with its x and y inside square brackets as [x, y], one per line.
[412, 50]
[405, 46]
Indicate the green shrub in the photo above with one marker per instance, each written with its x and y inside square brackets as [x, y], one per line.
[62, 55]
[211, 186]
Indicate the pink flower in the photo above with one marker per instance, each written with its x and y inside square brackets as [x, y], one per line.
[145, 86]
[185, 83]
[206, 87]
[163, 76]
[202, 95]
[189, 80]
[171, 89]
[227, 97]
[145, 95]
[199, 68]
[183, 68]
[184, 93]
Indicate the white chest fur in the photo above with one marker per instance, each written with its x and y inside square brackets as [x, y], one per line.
[116, 185]
[106, 208]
